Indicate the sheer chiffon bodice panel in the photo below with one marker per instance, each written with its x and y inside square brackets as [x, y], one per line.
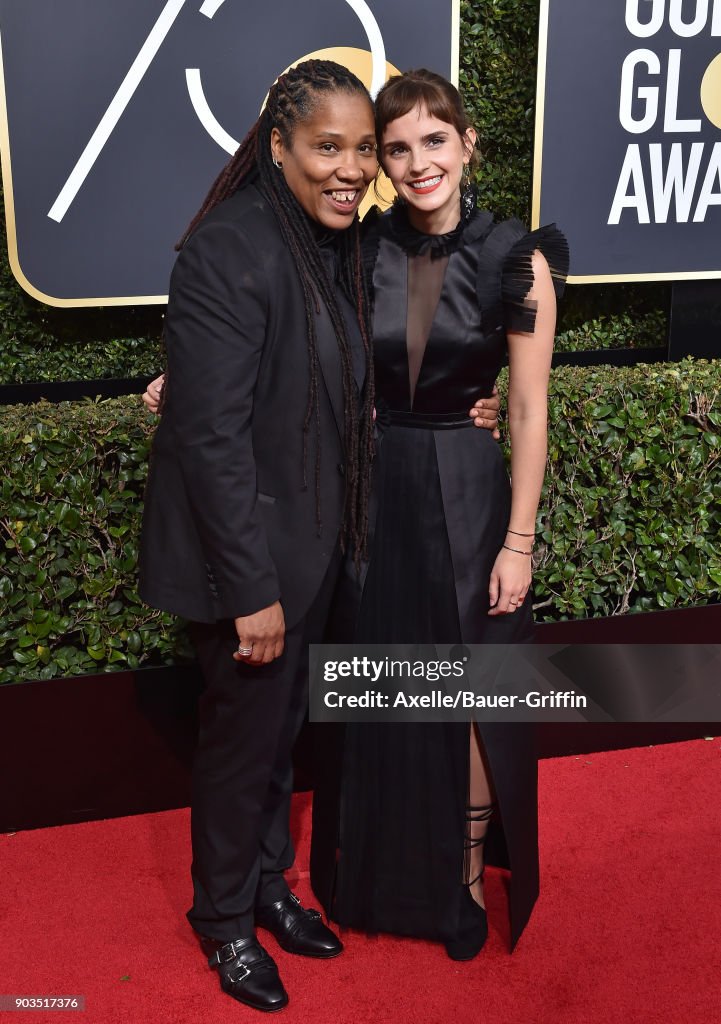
[431, 353]
[425, 283]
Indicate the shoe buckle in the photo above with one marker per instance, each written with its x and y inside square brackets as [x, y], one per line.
[226, 954]
[235, 977]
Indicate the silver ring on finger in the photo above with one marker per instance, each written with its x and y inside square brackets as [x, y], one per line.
[245, 651]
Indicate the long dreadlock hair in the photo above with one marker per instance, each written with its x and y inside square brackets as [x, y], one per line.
[290, 101]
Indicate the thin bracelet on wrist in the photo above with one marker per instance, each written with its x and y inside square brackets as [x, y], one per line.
[518, 534]
[517, 550]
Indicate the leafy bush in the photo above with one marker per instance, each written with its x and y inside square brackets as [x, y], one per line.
[71, 504]
[84, 359]
[629, 521]
[614, 332]
[499, 46]
[140, 357]
[631, 511]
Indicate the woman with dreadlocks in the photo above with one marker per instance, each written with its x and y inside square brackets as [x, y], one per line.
[259, 480]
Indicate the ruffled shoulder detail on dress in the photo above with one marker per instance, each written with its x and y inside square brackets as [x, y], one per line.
[505, 273]
[520, 312]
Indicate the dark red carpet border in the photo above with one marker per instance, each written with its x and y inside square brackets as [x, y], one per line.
[626, 930]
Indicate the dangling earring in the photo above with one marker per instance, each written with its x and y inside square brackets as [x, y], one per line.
[469, 198]
[277, 163]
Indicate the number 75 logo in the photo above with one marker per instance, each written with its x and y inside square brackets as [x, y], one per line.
[115, 118]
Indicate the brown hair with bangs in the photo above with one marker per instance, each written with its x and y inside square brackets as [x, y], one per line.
[423, 88]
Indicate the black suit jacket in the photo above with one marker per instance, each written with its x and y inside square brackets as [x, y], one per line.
[229, 526]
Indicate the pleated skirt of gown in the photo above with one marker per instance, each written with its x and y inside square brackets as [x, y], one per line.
[389, 822]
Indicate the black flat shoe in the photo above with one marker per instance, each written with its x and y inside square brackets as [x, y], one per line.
[472, 932]
[247, 972]
[297, 930]
[471, 937]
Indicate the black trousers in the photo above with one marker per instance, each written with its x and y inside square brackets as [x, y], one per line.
[242, 780]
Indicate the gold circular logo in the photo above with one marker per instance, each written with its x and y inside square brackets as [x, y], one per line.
[711, 92]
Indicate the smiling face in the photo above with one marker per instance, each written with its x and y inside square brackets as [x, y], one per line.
[424, 159]
[331, 158]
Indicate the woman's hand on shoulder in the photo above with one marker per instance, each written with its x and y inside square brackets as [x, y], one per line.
[485, 413]
[510, 579]
[153, 393]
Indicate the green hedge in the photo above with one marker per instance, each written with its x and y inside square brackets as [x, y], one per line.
[498, 74]
[89, 359]
[498, 82]
[630, 516]
[631, 513]
[622, 331]
[22, 362]
[70, 516]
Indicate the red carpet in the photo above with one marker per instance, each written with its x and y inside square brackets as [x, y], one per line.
[626, 930]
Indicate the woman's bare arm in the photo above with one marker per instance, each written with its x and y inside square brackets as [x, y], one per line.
[529, 357]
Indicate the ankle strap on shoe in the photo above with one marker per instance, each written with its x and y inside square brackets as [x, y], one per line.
[482, 813]
[475, 814]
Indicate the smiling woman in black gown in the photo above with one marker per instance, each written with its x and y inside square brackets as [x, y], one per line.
[398, 842]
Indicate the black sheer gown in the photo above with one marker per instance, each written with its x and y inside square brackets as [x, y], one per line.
[388, 838]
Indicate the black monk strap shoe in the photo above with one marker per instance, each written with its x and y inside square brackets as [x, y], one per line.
[297, 930]
[247, 972]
